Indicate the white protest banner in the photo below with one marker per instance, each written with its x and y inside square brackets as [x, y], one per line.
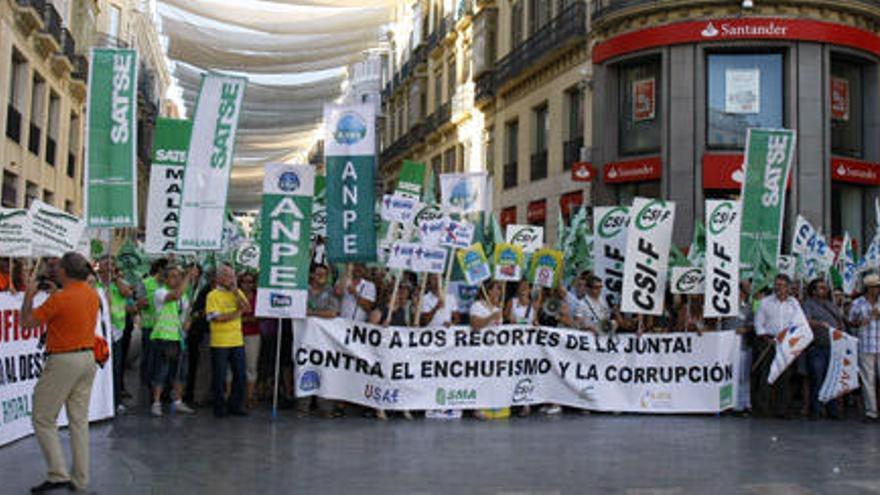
[401, 209]
[209, 162]
[432, 232]
[285, 242]
[170, 143]
[464, 193]
[406, 368]
[687, 280]
[647, 256]
[53, 231]
[459, 235]
[609, 242]
[529, 237]
[21, 363]
[791, 341]
[428, 259]
[842, 376]
[786, 264]
[401, 255]
[803, 232]
[722, 258]
[15, 232]
[247, 255]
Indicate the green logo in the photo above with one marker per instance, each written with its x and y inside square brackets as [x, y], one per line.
[441, 397]
[722, 216]
[689, 280]
[613, 222]
[725, 396]
[455, 397]
[651, 214]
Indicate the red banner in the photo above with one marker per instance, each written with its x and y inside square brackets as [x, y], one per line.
[723, 171]
[569, 201]
[643, 169]
[508, 216]
[855, 172]
[536, 213]
[582, 172]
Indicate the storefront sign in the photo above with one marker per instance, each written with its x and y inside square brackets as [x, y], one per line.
[569, 202]
[737, 29]
[639, 170]
[854, 171]
[582, 172]
[508, 216]
[840, 99]
[644, 98]
[742, 91]
[537, 212]
[723, 171]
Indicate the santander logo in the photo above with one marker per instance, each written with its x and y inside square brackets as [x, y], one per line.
[745, 29]
[710, 31]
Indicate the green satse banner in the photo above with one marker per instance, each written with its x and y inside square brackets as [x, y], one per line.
[351, 188]
[170, 145]
[111, 143]
[285, 243]
[768, 163]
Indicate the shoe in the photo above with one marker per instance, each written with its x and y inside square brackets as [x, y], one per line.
[407, 415]
[48, 486]
[181, 408]
[156, 409]
[551, 410]
[381, 416]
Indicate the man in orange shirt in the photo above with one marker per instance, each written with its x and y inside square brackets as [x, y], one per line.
[70, 314]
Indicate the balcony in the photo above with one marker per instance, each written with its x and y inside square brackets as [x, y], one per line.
[62, 62]
[571, 152]
[568, 28]
[386, 91]
[104, 40]
[50, 36]
[419, 56]
[508, 178]
[538, 166]
[79, 77]
[462, 102]
[439, 34]
[29, 14]
[13, 123]
[485, 90]
[34, 139]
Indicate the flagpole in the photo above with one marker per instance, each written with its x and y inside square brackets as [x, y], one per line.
[393, 299]
[419, 300]
[278, 341]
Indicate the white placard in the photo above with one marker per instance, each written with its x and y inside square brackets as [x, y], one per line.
[610, 224]
[15, 232]
[456, 234]
[529, 237]
[54, 232]
[428, 259]
[742, 91]
[723, 219]
[647, 256]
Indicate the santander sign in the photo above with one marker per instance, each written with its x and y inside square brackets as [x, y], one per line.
[744, 29]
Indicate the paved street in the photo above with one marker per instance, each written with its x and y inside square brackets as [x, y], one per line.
[573, 454]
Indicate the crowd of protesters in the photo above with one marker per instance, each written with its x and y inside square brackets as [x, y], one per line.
[180, 309]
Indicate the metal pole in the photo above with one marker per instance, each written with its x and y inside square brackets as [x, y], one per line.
[279, 338]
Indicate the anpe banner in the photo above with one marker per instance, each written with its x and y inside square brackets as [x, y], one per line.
[111, 140]
[722, 259]
[170, 145]
[648, 238]
[209, 162]
[15, 232]
[53, 232]
[402, 368]
[768, 164]
[610, 225]
[350, 153]
[285, 243]
[21, 363]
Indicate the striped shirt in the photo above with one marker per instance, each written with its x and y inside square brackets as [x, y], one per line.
[869, 333]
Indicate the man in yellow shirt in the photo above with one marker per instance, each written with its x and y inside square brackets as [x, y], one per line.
[224, 307]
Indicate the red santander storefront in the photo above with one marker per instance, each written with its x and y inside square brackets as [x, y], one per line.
[672, 102]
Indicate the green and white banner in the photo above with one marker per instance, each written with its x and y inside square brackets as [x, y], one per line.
[111, 142]
[411, 180]
[686, 280]
[170, 144]
[285, 243]
[15, 232]
[350, 153]
[54, 232]
[647, 256]
[768, 163]
[722, 258]
[209, 161]
[610, 225]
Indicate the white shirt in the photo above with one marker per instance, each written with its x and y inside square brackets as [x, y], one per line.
[520, 313]
[588, 309]
[350, 309]
[774, 315]
[480, 309]
[443, 315]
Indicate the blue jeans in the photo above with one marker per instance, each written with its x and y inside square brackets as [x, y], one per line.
[145, 357]
[168, 363]
[118, 370]
[221, 359]
[817, 367]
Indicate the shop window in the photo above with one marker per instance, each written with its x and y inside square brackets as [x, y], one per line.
[536, 213]
[640, 109]
[627, 192]
[575, 140]
[507, 217]
[744, 90]
[847, 132]
[847, 210]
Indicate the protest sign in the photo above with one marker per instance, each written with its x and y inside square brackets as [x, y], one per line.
[21, 363]
[15, 232]
[459, 235]
[722, 259]
[546, 268]
[432, 232]
[54, 232]
[350, 152]
[647, 256]
[111, 141]
[529, 237]
[209, 162]
[319, 208]
[247, 255]
[428, 259]
[687, 280]
[791, 341]
[786, 264]
[401, 255]
[410, 180]
[842, 376]
[508, 260]
[514, 365]
[767, 165]
[609, 244]
[803, 232]
[473, 264]
[400, 209]
[285, 244]
[464, 193]
[170, 144]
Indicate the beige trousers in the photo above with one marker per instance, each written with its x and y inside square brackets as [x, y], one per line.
[868, 367]
[66, 381]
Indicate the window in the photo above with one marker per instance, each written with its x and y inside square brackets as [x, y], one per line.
[847, 132]
[68, 206]
[54, 127]
[449, 160]
[49, 197]
[640, 112]
[451, 80]
[538, 169]
[436, 170]
[10, 190]
[572, 146]
[847, 213]
[489, 156]
[37, 114]
[536, 213]
[72, 145]
[31, 192]
[745, 90]
[438, 89]
[17, 80]
[516, 22]
[511, 150]
[540, 12]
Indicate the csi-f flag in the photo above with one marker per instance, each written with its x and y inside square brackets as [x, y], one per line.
[722, 259]
[170, 144]
[768, 164]
[208, 163]
[111, 142]
[647, 256]
[285, 243]
[610, 224]
[350, 153]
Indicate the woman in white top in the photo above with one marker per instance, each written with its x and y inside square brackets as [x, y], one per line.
[486, 310]
[520, 308]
